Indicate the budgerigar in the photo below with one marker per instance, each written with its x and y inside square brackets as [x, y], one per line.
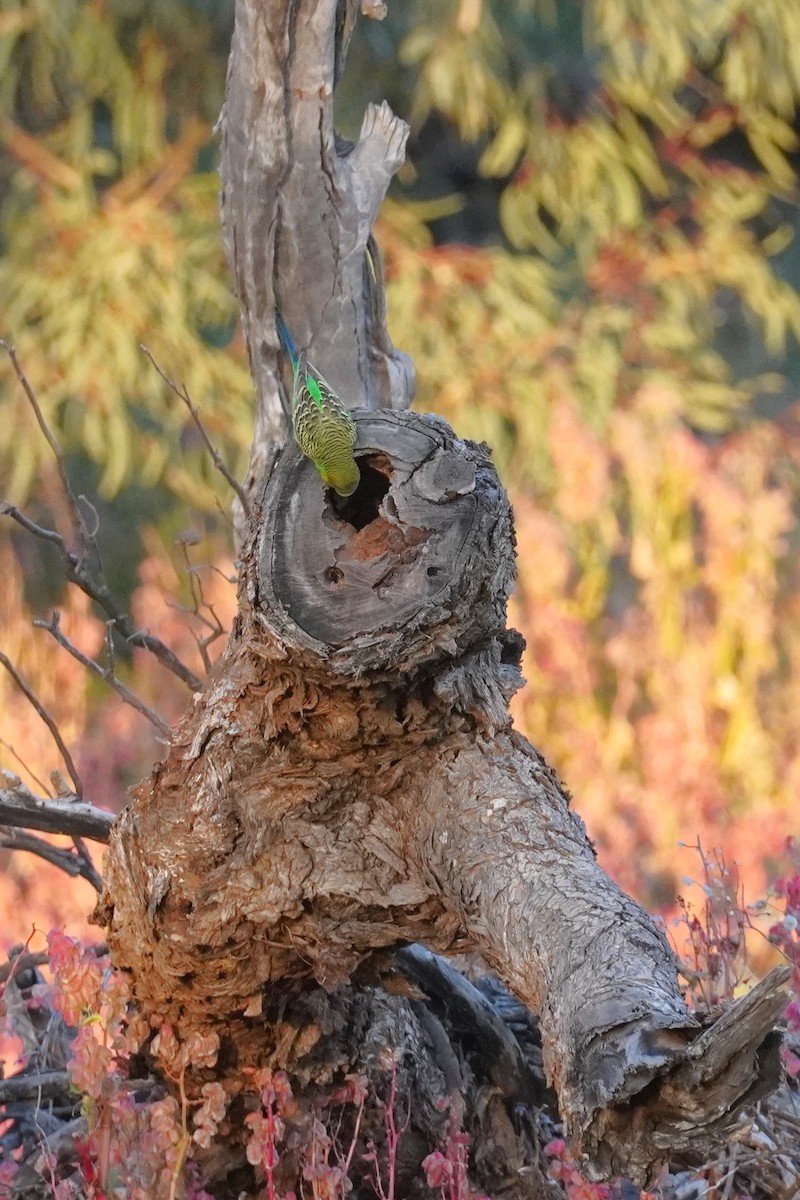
[323, 428]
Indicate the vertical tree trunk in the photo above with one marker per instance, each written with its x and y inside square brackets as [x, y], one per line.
[349, 782]
[298, 205]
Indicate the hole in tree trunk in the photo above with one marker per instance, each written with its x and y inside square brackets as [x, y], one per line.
[360, 509]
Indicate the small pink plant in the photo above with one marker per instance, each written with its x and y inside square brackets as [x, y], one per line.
[562, 1168]
[715, 959]
[446, 1171]
[267, 1127]
[385, 1189]
[135, 1148]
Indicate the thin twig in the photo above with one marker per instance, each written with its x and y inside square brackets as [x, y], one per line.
[112, 658]
[51, 1085]
[23, 809]
[25, 766]
[20, 960]
[66, 860]
[730, 1177]
[60, 1144]
[49, 437]
[82, 850]
[199, 602]
[36, 704]
[53, 627]
[77, 572]
[47, 535]
[216, 457]
[86, 538]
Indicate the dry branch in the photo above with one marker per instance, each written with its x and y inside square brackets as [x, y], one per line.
[107, 674]
[48, 435]
[21, 808]
[71, 862]
[216, 457]
[298, 205]
[76, 565]
[52, 725]
[77, 571]
[42, 1085]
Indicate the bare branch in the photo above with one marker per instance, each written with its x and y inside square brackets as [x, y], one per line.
[23, 961]
[53, 627]
[55, 733]
[50, 438]
[93, 532]
[29, 801]
[20, 960]
[56, 1146]
[82, 850]
[216, 457]
[77, 569]
[42, 1085]
[46, 535]
[23, 809]
[25, 766]
[50, 1085]
[66, 860]
[112, 658]
[199, 602]
[77, 572]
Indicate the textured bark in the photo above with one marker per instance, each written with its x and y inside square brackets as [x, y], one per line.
[298, 204]
[349, 784]
[20, 808]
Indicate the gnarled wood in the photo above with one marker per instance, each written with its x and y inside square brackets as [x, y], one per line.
[350, 782]
[394, 574]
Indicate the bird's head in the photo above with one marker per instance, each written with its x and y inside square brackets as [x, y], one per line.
[344, 480]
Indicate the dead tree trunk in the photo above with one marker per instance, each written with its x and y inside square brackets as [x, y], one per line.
[349, 782]
[298, 205]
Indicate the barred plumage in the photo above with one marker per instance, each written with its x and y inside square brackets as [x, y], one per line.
[323, 428]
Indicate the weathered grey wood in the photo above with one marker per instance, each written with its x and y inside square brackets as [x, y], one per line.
[698, 1103]
[21, 809]
[468, 1008]
[384, 573]
[298, 207]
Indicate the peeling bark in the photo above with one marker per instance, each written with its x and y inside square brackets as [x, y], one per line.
[350, 782]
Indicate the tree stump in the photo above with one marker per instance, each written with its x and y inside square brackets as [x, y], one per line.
[349, 783]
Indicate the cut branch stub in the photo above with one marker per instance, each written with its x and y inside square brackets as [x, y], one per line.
[415, 566]
[697, 1103]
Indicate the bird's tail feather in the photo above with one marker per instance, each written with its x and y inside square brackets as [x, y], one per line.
[287, 341]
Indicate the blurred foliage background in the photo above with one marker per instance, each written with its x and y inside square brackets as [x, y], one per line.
[591, 254]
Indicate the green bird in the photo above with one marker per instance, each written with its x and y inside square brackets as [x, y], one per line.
[323, 428]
